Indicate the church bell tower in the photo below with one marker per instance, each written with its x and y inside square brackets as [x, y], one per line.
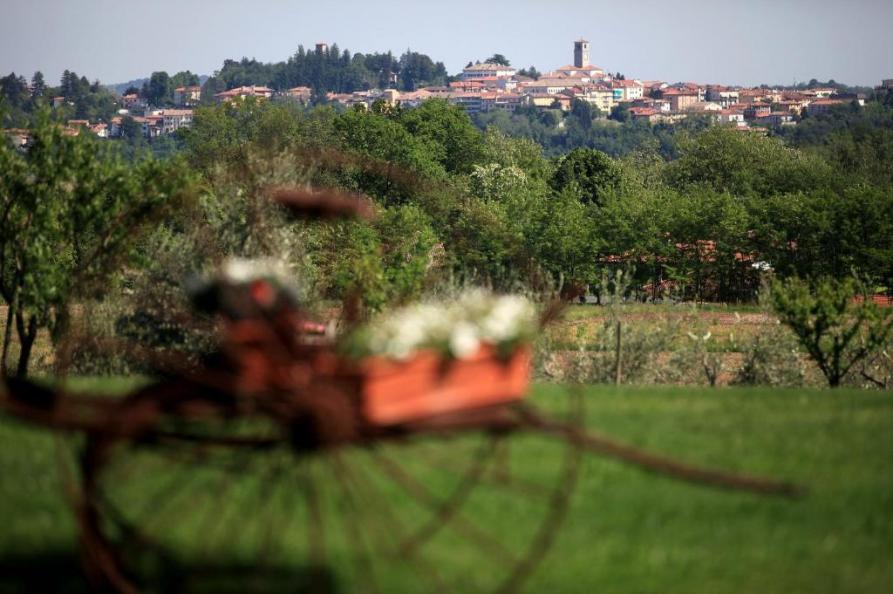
[581, 53]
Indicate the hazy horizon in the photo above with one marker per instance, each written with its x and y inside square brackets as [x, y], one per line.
[724, 42]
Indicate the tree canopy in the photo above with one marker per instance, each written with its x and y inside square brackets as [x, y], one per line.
[71, 211]
[498, 59]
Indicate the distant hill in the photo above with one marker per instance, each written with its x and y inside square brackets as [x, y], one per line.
[119, 88]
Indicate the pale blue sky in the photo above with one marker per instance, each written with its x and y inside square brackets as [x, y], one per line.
[723, 41]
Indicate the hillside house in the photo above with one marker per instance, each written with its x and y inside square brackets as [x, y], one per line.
[601, 96]
[174, 119]
[757, 110]
[187, 96]
[775, 118]
[470, 102]
[821, 106]
[479, 70]
[546, 101]
[629, 90]
[549, 86]
[302, 94]
[648, 114]
[730, 116]
[680, 99]
[242, 92]
[724, 96]
[133, 102]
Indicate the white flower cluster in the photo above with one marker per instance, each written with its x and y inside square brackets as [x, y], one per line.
[242, 270]
[458, 328]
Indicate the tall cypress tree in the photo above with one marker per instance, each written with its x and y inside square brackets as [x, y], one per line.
[38, 85]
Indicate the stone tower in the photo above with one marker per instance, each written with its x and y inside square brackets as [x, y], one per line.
[581, 53]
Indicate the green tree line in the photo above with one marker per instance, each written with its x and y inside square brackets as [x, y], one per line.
[707, 224]
[21, 99]
[331, 69]
[453, 202]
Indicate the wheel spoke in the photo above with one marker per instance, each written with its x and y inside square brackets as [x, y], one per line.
[316, 533]
[391, 529]
[420, 493]
[494, 477]
[451, 506]
[558, 506]
[351, 524]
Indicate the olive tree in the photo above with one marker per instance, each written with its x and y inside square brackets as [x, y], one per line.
[836, 325]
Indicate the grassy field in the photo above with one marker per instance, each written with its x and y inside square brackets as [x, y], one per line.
[626, 531]
[658, 333]
[666, 344]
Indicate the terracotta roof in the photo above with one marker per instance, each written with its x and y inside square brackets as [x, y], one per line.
[238, 91]
[420, 94]
[586, 68]
[551, 82]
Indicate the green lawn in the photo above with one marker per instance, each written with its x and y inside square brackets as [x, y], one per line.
[626, 531]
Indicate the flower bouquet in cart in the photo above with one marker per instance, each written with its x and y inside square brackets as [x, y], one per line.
[432, 358]
[408, 364]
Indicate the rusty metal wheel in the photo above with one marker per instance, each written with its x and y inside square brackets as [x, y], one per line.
[233, 505]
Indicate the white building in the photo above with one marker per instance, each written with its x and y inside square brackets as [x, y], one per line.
[722, 95]
[549, 86]
[730, 116]
[243, 92]
[629, 90]
[470, 102]
[479, 70]
[174, 119]
[601, 96]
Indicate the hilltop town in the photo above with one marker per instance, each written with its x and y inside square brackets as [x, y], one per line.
[495, 85]
[484, 87]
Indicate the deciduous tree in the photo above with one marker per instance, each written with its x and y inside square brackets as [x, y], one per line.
[593, 173]
[69, 214]
[835, 321]
[498, 59]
